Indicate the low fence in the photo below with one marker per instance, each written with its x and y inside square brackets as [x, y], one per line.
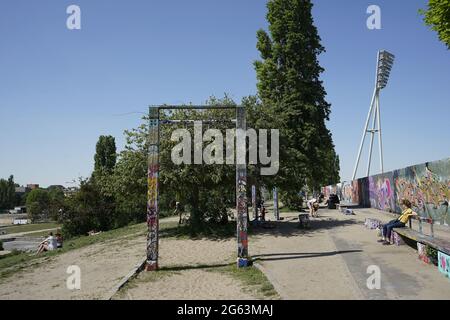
[426, 185]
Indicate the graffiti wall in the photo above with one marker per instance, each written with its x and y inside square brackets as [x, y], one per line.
[426, 185]
[350, 192]
[381, 192]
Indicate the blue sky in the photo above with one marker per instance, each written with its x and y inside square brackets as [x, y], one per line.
[61, 89]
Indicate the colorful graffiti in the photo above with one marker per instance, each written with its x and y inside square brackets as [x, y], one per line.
[241, 200]
[427, 186]
[276, 209]
[381, 193]
[444, 264]
[254, 209]
[350, 192]
[152, 197]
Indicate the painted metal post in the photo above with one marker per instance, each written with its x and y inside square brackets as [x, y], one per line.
[276, 211]
[255, 214]
[153, 191]
[241, 188]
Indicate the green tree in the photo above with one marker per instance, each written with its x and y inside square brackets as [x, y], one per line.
[105, 156]
[207, 190]
[38, 204]
[87, 210]
[437, 16]
[7, 193]
[293, 97]
[56, 203]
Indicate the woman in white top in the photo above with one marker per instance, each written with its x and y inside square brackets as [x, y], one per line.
[49, 244]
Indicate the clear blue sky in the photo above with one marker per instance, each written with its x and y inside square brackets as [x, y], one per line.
[61, 89]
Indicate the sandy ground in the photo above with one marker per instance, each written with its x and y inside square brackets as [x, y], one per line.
[330, 261]
[102, 267]
[185, 275]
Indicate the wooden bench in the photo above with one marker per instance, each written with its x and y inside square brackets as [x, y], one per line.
[419, 236]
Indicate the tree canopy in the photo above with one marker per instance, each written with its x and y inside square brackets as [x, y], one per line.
[437, 16]
[293, 97]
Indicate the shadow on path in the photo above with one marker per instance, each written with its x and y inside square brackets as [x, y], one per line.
[299, 255]
[291, 228]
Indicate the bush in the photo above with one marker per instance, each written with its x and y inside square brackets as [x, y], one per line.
[1, 245]
[292, 200]
[87, 210]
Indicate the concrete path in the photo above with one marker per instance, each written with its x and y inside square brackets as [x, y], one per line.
[330, 261]
[21, 234]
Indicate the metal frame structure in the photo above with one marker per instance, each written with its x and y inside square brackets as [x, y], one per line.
[385, 61]
[153, 181]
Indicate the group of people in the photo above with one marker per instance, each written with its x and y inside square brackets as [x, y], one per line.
[51, 243]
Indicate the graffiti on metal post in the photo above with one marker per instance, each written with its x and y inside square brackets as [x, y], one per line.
[241, 190]
[153, 191]
[276, 210]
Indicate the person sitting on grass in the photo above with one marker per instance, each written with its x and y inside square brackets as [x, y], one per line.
[59, 239]
[397, 223]
[49, 244]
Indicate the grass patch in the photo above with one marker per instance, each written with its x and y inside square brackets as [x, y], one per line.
[30, 227]
[142, 278]
[206, 231]
[252, 279]
[286, 209]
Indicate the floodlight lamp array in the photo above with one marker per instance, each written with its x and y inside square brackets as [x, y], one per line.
[385, 62]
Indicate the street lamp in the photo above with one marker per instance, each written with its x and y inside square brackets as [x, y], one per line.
[385, 61]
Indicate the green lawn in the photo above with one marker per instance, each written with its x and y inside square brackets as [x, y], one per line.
[31, 227]
[252, 279]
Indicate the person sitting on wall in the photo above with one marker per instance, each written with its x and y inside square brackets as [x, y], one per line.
[397, 223]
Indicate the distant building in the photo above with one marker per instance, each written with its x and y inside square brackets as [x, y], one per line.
[33, 186]
[21, 190]
[70, 191]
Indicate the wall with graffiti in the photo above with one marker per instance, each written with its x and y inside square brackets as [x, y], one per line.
[426, 185]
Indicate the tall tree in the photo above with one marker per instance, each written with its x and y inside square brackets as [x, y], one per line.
[292, 95]
[105, 156]
[38, 204]
[7, 193]
[437, 16]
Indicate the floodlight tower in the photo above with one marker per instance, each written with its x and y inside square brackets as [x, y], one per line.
[385, 61]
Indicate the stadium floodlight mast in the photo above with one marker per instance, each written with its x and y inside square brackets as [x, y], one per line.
[385, 61]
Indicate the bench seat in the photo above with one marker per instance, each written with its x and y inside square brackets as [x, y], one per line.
[441, 245]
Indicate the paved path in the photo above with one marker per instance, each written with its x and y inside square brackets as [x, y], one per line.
[330, 261]
[21, 234]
